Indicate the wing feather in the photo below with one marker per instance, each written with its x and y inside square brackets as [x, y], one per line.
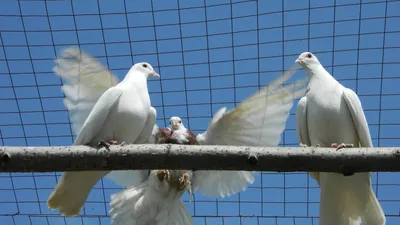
[86, 80]
[302, 129]
[98, 116]
[358, 116]
[257, 121]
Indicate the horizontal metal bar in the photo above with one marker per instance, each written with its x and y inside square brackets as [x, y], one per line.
[198, 157]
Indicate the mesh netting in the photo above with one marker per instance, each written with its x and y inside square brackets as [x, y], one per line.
[209, 54]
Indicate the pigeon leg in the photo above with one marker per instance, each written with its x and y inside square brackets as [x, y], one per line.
[184, 182]
[163, 175]
[340, 146]
[106, 144]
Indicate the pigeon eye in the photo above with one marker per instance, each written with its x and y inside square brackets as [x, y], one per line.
[309, 55]
[144, 65]
[180, 121]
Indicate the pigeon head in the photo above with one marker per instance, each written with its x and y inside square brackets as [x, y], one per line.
[175, 123]
[146, 68]
[308, 61]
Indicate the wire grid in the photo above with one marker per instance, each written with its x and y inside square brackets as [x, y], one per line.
[209, 54]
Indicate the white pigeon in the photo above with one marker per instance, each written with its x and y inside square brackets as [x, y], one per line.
[329, 114]
[257, 121]
[100, 114]
[157, 200]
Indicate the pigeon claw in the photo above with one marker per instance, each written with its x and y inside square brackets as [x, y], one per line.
[163, 175]
[306, 146]
[340, 146]
[184, 183]
[106, 144]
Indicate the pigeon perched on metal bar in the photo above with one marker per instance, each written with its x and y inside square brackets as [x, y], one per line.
[102, 111]
[330, 115]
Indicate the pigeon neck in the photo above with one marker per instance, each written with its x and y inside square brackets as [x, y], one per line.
[135, 76]
[180, 129]
[315, 71]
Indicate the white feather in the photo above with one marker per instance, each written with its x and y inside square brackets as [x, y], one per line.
[257, 121]
[331, 113]
[87, 80]
[99, 111]
[129, 178]
[151, 202]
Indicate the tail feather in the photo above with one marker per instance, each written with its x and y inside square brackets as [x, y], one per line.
[72, 190]
[373, 213]
[144, 204]
[348, 200]
[183, 216]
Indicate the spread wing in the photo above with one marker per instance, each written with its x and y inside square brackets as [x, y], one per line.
[86, 80]
[257, 121]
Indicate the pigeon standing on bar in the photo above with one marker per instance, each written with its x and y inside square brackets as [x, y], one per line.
[330, 115]
[103, 112]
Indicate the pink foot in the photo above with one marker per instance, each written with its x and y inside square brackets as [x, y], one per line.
[106, 144]
[342, 145]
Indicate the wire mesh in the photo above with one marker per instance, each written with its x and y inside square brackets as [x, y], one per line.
[209, 54]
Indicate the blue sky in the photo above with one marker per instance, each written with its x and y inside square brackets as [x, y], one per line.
[242, 46]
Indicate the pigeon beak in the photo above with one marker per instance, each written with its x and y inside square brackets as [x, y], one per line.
[154, 74]
[298, 61]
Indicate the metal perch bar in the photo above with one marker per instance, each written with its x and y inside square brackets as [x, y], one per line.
[198, 157]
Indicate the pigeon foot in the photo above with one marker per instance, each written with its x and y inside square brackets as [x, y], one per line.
[163, 175]
[106, 144]
[306, 146]
[184, 183]
[340, 146]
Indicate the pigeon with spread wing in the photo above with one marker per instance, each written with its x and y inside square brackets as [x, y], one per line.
[103, 112]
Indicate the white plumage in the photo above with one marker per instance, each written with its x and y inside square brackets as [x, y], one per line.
[257, 121]
[156, 201]
[130, 178]
[100, 109]
[153, 202]
[331, 113]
